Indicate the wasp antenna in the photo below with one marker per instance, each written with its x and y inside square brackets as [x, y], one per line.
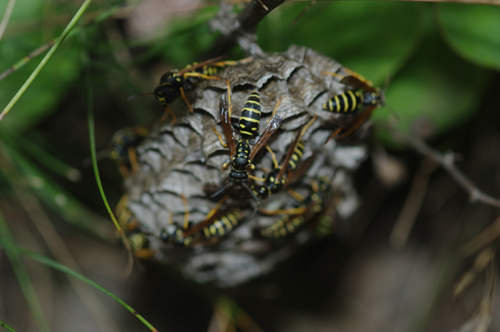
[222, 190]
[250, 191]
[139, 95]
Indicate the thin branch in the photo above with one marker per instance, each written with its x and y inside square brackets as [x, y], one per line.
[242, 27]
[447, 161]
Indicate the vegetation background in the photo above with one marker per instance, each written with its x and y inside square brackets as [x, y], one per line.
[442, 60]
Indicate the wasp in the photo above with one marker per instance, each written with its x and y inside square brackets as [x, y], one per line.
[173, 83]
[122, 148]
[361, 95]
[241, 153]
[276, 179]
[301, 213]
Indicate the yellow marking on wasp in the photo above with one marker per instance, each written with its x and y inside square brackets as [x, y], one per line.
[227, 222]
[246, 132]
[213, 230]
[186, 211]
[206, 232]
[346, 103]
[337, 103]
[353, 99]
[250, 119]
[255, 102]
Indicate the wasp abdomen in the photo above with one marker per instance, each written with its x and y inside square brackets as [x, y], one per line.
[349, 101]
[250, 116]
[223, 225]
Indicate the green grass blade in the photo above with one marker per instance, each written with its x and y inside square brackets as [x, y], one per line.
[90, 118]
[6, 17]
[99, 18]
[55, 265]
[22, 275]
[71, 210]
[2, 324]
[45, 59]
[18, 141]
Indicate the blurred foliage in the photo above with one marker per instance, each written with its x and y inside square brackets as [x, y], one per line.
[439, 58]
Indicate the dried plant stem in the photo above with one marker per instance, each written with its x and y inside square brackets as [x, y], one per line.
[447, 161]
[413, 203]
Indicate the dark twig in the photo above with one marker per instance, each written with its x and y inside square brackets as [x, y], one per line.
[241, 28]
[447, 161]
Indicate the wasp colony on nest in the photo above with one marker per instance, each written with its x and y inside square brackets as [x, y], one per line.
[242, 176]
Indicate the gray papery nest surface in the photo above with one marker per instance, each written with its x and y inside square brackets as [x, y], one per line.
[186, 159]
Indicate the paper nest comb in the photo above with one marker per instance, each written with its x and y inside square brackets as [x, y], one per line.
[186, 159]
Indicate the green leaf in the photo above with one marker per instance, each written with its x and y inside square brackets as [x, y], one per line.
[371, 38]
[436, 86]
[473, 31]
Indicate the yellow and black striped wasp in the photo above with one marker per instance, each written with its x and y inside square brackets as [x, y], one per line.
[301, 213]
[276, 179]
[214, 226]
[360, 96]
[211, 228]
[173, 83]
[240, 152]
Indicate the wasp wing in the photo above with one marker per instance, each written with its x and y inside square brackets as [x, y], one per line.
[356, 83]
[201, 64]
[225, 118]
[271, 127]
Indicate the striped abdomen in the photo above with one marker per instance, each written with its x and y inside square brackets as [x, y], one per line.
[223, 225]
[296, 156]
[250, 116]
[349, 101]
[208, 70]
[283, 226]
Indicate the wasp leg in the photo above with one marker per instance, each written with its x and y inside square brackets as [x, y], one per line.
[296, 195]
[124, 171]
[220, 137]
[201, 76]
[168, 111]
[275, 109]
[291, 211]
[132, 156]
[226, 164]
[185, 99]
[275, 162]
[333, 135]
[186, 212]
[256, 178]
[333, 74]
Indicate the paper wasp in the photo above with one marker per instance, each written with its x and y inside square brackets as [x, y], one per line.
[122, 148]
[276, 179]
[173, 83]
[300, 213]
[240, 152]
[361, 95]
[214, 226]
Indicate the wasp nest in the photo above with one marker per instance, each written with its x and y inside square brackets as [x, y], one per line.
[180, 167]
